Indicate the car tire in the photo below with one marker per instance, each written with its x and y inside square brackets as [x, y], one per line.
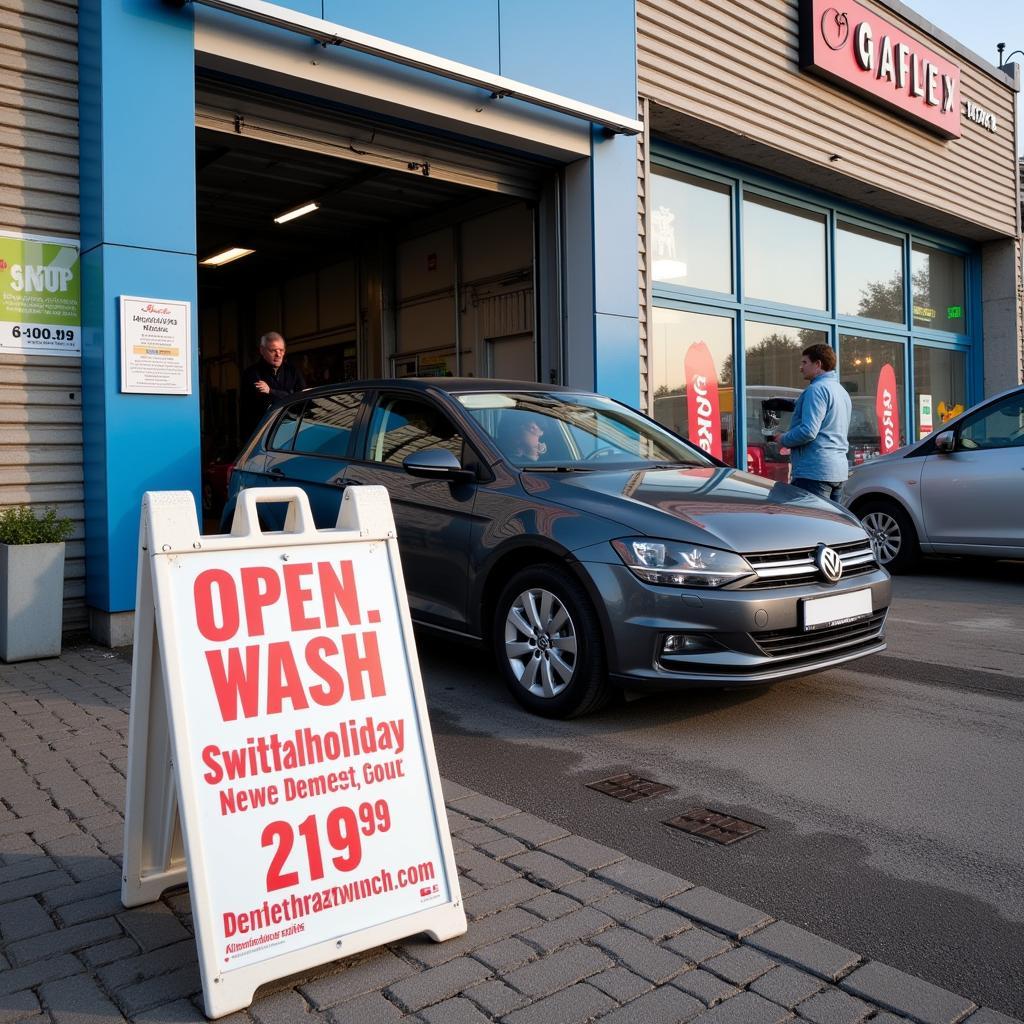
[892, 534]
[547, 642]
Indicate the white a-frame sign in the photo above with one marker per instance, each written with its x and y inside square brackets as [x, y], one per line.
[279, 757]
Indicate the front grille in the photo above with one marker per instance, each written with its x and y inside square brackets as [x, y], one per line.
[793, 568]
[785, 644]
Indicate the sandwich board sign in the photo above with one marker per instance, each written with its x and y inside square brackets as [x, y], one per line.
[279, 755]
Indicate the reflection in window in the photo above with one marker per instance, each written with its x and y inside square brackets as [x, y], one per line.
[872, 371]
[999, 426]
[772, 353]
[327, 425]
[938, 279]
[869, 274]
[402, 426]
[284, 432]
[940, 387]
[691, 377]
[783, 253]
[691, 233]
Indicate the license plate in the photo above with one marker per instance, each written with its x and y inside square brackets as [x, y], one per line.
[836, 610]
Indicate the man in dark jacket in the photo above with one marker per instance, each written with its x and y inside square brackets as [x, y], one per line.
[267, 382]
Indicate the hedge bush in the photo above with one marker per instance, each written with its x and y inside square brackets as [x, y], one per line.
[22, 525]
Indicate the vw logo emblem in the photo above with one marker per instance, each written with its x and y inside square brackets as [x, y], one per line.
[829, 564]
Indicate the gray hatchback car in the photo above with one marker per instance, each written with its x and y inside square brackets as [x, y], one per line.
[589, 547]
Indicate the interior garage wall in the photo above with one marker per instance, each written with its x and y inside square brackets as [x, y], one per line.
[480, 270]
[313, 310]
[40, 397]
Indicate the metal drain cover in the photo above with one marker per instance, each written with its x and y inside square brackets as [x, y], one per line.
[629, 787]
[713, 825]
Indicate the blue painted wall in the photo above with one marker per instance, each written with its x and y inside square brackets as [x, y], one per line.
[137, 158]
[461, 30]
[585, 49]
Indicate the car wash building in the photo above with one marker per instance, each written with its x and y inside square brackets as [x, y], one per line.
[469, 188]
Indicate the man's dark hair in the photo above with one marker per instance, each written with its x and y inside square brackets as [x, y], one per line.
[824, 354]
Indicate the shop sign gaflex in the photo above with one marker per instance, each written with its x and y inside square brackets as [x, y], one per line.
[843, 41]
[40, 296]
[280, 758]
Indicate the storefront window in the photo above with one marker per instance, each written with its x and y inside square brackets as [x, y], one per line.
[772, 353]
[691, 378]
[872, 371]
[691, 232]
[783, 253]
[938, 279]
[940, 387]
[869, 274]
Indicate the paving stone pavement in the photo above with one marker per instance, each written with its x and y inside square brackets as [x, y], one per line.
[562, 930]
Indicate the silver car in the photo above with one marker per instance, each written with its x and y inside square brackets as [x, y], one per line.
[959, 491]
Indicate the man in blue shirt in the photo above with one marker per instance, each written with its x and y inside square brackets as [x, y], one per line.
[817, 435]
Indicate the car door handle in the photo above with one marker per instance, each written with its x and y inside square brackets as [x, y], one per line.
[276, 471]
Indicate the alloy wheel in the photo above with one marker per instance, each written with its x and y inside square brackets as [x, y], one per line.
[885, 534]
[540, 642]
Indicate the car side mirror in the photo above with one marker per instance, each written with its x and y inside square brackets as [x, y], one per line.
[436, 464]
[945, 442]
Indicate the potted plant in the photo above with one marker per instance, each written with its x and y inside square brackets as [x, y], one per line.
[31, 582]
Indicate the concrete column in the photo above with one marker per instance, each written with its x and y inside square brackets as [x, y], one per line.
[1001, 314]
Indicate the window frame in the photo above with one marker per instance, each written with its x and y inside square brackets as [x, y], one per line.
[736, 305]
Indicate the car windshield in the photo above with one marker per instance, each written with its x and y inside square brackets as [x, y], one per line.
[558, 430]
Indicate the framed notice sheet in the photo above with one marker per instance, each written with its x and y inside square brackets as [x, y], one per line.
[156, 346]
[40, 296]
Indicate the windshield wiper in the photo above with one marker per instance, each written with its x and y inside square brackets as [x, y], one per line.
[555, 469]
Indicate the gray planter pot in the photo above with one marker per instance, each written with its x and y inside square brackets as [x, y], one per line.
[31, 600]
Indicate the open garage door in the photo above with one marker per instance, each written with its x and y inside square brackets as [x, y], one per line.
[417, 255]
[252, 114]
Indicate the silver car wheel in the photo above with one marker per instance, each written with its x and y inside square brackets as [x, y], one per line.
[885, 534]
[540, 643]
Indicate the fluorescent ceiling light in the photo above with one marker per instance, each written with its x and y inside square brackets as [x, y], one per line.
[299, 211]
[220, 258]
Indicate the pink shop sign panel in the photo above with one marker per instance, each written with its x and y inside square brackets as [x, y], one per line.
[852, 46]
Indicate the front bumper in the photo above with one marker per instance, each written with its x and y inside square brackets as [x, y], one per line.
[757, 634]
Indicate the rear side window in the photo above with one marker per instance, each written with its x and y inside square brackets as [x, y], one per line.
[284, 433]
[327, 424]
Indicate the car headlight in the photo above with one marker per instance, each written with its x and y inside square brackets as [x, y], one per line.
[680, 565]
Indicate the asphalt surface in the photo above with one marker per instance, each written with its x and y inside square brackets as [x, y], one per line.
[891, 793]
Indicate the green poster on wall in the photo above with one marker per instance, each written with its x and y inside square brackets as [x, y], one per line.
[40, 296]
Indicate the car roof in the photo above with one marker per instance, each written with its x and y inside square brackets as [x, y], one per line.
[451, 385]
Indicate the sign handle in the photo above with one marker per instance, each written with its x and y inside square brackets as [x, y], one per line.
[246, 521]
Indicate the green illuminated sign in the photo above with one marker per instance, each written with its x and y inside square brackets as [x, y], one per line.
[954, 312]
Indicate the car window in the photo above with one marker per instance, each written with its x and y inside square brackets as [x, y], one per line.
[327, 424]
[284, 433]
[563, 429]
[998, 426]
[402, 426]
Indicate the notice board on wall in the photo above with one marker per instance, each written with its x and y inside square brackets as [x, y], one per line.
[280, 758]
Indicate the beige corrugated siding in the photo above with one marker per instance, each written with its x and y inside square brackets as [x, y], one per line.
[40, 397]
[734, 65]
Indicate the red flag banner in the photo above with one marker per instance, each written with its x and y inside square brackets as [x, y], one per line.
[704, 422]
[887, 410]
